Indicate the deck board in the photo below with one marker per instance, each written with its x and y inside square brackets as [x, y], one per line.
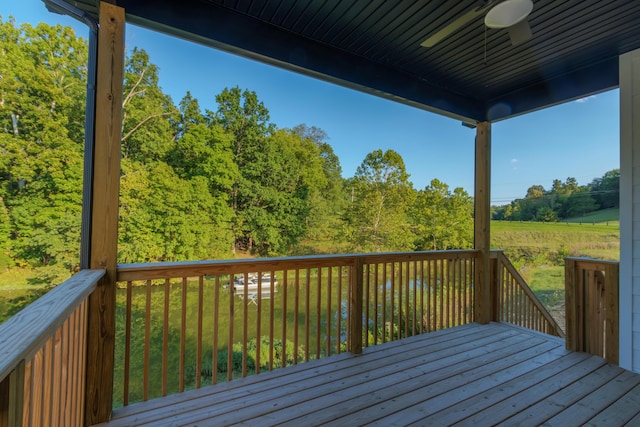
[470, 375]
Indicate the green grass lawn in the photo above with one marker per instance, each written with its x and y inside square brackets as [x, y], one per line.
[539, 243]
[610, 216]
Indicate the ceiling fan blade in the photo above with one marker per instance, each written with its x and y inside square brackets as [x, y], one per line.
[454, 25]
[520, 32]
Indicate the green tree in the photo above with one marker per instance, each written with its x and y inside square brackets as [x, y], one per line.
[442, 219]
[606, 190]
[581, 203]
[147, 134]
[326, 197]
[246, 119]
[42, 70]
[381, 195]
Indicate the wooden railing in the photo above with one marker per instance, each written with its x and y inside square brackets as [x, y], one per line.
[181, 325]
[515, 302]
[591, 295]
[42, 357]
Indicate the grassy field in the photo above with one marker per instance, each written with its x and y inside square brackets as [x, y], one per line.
[540, 242]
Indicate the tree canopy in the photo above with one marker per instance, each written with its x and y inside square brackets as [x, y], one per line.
[194, 184]
[564, 200]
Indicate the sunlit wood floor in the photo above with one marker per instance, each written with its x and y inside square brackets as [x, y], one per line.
[469, 375]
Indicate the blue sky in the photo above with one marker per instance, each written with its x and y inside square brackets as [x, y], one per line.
[579, 139]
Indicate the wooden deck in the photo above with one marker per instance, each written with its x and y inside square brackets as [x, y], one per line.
[469, 375]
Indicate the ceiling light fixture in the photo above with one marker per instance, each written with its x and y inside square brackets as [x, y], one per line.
[508, 13]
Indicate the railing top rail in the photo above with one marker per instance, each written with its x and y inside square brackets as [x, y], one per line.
[25, 333]
[591, 264]
[157, 270]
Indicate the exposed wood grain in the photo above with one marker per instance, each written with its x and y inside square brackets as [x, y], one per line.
[321, 375]
[104, 216]
[165, 338]
[570, 304]
[523, 306]
[26, 332]
[161, 270]
[592, 306]
[216, 323]
[612, 311]
[470, 375]
[356, 306]
[389, 288]
[482, 219]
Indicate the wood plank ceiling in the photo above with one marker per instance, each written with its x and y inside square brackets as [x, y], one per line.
[475, 74]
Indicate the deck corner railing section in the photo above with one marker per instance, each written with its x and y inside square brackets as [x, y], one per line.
[515, 303]
[183, 325]
[592, 306]
[43, 357]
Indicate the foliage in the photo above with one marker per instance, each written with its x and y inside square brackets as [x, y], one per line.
[290, 354]
[208, 184]
[564, 200]
[43, 72]
[443, 220]
[381, 194]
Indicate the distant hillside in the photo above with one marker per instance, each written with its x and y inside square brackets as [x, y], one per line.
[612, 216]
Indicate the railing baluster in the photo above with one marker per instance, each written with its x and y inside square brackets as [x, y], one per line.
[232, 316]
[127, 344]
[245, 322]
[393, 302]
[198, 372]
[296, 316]
[165, 338]
[216, 323]
[318, 311]
[406, 316]
[329, 286]
[384, 303]
[271, 320]
[284, 317]
[147, 341]
[307, 320]
[183, 334]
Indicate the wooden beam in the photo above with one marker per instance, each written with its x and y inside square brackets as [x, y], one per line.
[612, 312]
[482, 218]
[104, 218]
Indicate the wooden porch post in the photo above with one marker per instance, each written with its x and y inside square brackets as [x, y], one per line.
[482, 217]
[104, 217]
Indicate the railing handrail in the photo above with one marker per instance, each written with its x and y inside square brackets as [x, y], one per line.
[162, 270]
[591, 264]
[26, 332]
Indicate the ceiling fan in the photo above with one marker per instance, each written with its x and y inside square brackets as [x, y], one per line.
[509, 14]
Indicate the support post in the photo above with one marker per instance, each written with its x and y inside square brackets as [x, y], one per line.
[612, 312]
[570, 305]
[482, 218]
[104, 217]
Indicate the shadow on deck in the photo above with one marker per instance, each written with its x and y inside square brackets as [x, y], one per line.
[472, 375]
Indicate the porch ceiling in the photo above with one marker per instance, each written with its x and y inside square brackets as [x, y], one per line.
[374, 46]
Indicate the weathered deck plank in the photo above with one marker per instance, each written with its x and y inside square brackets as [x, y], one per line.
[471, 375]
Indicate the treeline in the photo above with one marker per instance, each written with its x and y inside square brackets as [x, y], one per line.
[564, 200]
[195, 184]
